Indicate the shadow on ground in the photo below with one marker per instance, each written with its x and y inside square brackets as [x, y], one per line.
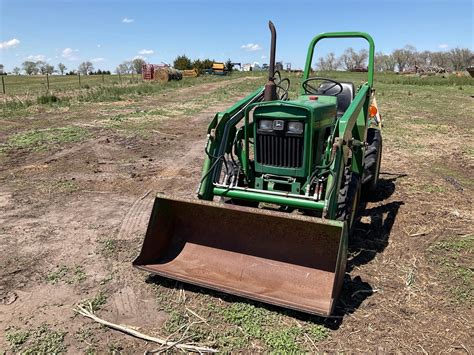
[368, 239]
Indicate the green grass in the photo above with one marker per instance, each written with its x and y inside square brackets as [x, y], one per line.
[108, 247]
[97, 302]
[44, 139]
[42, 340]
[66, 274]
[240, 325]
[454, 259]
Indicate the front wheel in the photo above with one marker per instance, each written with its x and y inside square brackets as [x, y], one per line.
[372, 160]
[348, 199]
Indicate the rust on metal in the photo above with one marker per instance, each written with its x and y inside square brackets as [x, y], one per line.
[297, 263]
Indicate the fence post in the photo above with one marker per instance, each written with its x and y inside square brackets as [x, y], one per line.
[47, 80]
[3, 84]
[79, 76]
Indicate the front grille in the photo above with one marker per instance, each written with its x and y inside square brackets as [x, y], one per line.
[280, 150]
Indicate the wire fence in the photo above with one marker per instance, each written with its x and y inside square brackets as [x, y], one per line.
[38, 84]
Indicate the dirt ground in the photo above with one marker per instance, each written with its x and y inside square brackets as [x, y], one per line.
[73, 217]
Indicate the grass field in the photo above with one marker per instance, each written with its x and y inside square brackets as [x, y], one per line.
[77, 182]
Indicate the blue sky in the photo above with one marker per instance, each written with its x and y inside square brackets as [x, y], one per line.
[111, 31]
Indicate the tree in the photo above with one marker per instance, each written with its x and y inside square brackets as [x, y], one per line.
[360, 58]
[404, 57]
[229, 66]
[61, 68]
[328, 63]
[423, 58]
[85, 68]
[138, 64]
[124, 68]
[441, 59]
[384, 62]
[16, 71]
[45, 68]
[29, 67]
[197, 64]
[460, 58]
[348, 59]
[207, 63]
[182, 62]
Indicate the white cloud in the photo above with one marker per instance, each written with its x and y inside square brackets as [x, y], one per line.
[263, 57]
[128, 20]
[36, 57]
[146, 51]
[99, 45]
[9, 44]
[97, 60]
[69, 53]
[251, 47]
[443, 46]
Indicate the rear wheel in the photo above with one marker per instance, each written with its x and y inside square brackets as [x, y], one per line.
[372, 160]
[348, 199]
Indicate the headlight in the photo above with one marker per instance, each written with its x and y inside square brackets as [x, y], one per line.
[295, 127]
[266, 125]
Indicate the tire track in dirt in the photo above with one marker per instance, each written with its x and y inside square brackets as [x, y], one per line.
[137, 216]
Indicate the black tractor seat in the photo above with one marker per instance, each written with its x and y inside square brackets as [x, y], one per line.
[344, 99]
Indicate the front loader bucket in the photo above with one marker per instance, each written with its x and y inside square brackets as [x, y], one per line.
[284, 259]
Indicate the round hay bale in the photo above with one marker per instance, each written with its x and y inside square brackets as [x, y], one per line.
[162, 75]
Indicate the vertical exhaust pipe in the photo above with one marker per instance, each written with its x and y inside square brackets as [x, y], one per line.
[270, 93]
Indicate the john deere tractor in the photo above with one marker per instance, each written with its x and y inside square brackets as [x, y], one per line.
[279, 192]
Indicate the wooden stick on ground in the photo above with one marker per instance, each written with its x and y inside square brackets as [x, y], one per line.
[90, 314]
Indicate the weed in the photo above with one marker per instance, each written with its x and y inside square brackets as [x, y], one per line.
[78, 274]
[42, 340]
[175, 321]
[451, 255]
[317, 332]
[246, 316]
[97, 302]
[108, 247]
[58, 275]
[47, 99]
[16, 338]
[38, 140]
[434, 188]
[68, 275]
[115, 348]
[462, 244]
[63, 186]
[283, 340]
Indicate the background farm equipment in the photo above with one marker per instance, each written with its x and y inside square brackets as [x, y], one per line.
[190, 73]
[288, 174]
[160, 72]
[219, 69]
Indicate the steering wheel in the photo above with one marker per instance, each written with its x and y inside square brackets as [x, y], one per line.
[310, 89]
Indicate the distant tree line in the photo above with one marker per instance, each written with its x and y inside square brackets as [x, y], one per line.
[182, 62]
[41, 67]
[400, 60]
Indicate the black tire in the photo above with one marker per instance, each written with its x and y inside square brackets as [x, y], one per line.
[348, 199]
[372, 160]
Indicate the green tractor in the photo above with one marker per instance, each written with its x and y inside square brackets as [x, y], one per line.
[278, 195]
